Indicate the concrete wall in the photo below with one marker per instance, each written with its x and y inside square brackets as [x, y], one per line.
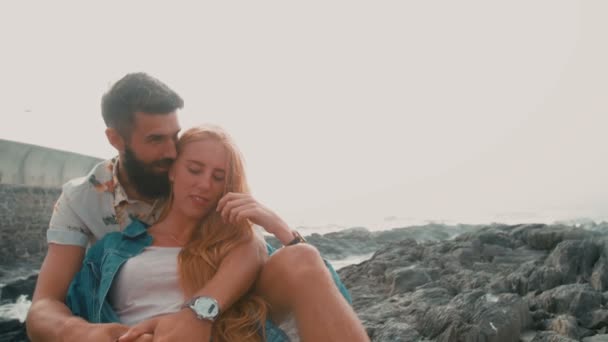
[25, 212]
[40, 166]
[30, 183]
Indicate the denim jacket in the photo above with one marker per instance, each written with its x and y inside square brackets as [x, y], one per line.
[88, 293]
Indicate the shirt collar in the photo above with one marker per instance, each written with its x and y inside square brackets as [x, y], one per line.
[120, 195]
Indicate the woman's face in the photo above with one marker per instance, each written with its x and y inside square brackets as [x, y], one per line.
[199, 174]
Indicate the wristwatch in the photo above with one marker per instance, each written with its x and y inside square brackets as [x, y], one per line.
[297, 238]
[204, 307]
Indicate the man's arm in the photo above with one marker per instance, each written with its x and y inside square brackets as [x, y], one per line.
[49, 319]
[48, 314]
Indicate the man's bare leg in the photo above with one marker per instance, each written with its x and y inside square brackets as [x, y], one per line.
[296, 280]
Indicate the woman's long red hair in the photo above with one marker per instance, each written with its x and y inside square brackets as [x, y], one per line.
[200, 258]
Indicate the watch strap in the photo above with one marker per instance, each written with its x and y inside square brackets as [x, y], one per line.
[296, 239]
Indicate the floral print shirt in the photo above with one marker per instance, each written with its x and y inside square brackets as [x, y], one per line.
[94, 205]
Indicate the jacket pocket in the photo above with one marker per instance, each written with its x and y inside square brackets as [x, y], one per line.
[94, 269]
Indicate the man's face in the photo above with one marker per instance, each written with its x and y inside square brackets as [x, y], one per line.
[150, 151]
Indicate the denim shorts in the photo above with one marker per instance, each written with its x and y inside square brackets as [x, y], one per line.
[274, 333]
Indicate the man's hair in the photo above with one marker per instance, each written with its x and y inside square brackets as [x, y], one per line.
[137, 92]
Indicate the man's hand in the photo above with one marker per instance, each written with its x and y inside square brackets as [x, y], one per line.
[76, 329]
[181, 326]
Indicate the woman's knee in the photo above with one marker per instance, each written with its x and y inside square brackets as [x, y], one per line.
[298, 262]
[291, 270]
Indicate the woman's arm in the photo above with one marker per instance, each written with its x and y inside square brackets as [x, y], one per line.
[236, 274]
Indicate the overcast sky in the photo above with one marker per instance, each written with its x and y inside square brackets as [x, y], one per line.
[345, 111]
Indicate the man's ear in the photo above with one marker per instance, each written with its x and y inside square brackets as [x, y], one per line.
[115, 139]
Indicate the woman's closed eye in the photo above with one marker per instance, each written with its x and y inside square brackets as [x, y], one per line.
[195, 170]
[198, 171]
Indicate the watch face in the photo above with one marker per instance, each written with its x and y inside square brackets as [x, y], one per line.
[206, 307]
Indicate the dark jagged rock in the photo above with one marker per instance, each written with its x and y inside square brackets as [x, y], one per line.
[356, 241]
[551, 336]
[488, 284]
[567, 326]
[596, 319]
[596, 338]
[11, 330]
[575, 299]
[396, 331]
[599, 276]
[19, 287]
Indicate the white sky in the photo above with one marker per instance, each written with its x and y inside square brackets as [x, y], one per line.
[346, 111]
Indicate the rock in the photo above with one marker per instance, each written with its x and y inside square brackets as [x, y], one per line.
[11, 330]
[596, 319]
[574, 260]
[544, 278]
[489, 284]
[540, 318]
[541, 236]
[406, 279]
[393, 331]
[599, 276]
[596, 338]
[19, 287]
[358, 241]
[550, 336]
[501, 318]
[575, 299]
[565, 325]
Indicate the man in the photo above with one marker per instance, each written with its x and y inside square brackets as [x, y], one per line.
[140, 113]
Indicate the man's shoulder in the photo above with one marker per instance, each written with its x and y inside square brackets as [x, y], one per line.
[85, 209]
[98, 180]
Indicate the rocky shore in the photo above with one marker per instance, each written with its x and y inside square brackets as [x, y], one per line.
[497, 283]
[489, 283]
[359, 240]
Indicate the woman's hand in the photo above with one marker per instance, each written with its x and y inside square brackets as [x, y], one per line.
[235, 207]
[145, 338]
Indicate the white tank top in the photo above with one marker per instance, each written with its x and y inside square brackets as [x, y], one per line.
[147, 285]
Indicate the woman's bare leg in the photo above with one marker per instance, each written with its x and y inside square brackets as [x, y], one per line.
[295, 279]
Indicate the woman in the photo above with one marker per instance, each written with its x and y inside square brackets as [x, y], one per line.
[142, 272]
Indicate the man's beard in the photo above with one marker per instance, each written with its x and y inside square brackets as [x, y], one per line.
[147, 182]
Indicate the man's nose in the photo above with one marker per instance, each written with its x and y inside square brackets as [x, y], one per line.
[170, 150]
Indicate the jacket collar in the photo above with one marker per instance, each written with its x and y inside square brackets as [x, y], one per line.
[135, 229]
